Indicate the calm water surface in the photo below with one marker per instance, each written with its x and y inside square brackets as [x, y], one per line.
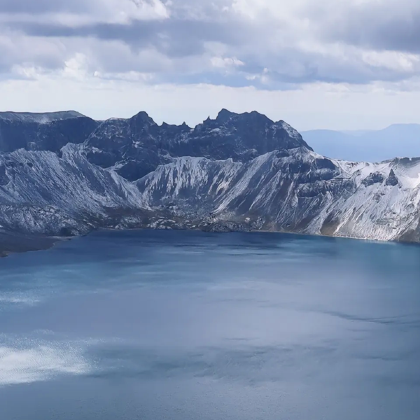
[188, 325]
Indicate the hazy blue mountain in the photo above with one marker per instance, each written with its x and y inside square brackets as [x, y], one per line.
[398, 140]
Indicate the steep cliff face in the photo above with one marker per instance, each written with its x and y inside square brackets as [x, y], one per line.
[238, 171]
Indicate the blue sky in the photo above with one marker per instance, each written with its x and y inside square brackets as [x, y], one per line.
[340, 64]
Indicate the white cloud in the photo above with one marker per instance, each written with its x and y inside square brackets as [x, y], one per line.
[318, 105]
[80, 12]
[127, 10]
[268, 50]
[226, 62]
[393, 60]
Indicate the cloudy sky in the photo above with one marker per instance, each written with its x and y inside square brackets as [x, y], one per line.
[342, 64]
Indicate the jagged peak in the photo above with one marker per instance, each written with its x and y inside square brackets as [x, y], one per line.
[181, 127]
[225, 115]
[143, 116]
[258, 115]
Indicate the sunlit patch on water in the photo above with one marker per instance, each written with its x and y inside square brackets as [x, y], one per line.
[40, 361]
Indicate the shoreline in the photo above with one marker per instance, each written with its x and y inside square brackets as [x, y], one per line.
[17, 243]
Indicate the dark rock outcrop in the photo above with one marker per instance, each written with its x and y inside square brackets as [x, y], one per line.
[49, 131]
[392, 179]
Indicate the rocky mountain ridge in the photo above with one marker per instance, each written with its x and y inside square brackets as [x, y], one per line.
[234, 172]
[50, 131]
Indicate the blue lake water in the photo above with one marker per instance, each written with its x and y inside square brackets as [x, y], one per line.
[157, 325]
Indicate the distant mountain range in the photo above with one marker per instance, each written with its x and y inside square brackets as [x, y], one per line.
[66, 174]
[398, 140]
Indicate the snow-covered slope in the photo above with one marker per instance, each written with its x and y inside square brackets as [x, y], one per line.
[43, 193]
[39, 118]
[297, 192]
[239, 171]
